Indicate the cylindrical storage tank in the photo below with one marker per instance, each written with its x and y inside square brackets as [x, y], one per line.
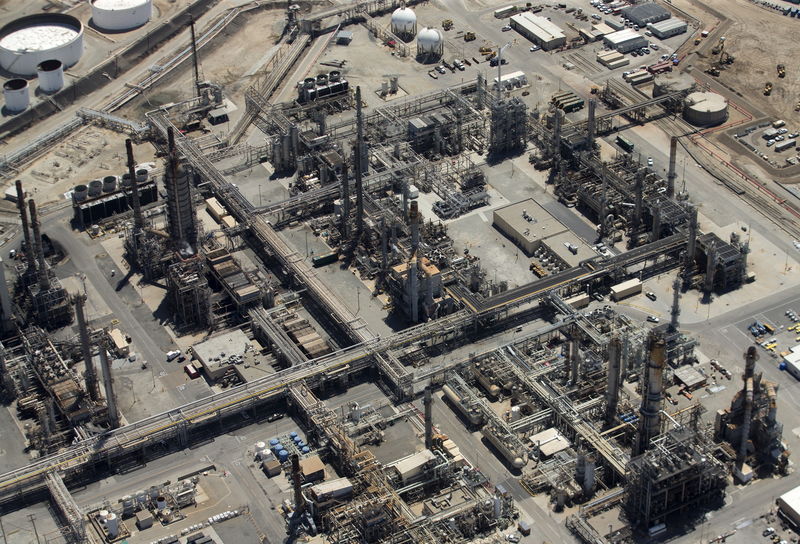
[161, 502]
[293, 435]
[51, 76]
[95, 187]
[429, 42]
[28, 41]
[309, 82]
[116, 15]
[125, 180]
[297, 439]
[301, 444]
[142, 174]
[322, 79]
[274, 442]
[80, 192]
[17, 95]
[334, 76]
[305, 449]
[705, 109]
[261, 447]
[112, 524]
[277, 447]
[102, 515]
[404, 22]
[671, 82]
[515, 414]
[283, 455]
[109, 184]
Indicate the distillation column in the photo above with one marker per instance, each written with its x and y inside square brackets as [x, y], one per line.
[675, 311]
[44, 279]
[671, 175]
[180, 209]
[428, 418]
[650, 422]
[345, 200]
[90, 374]
[138, 219]
[413, 216]
[590, 124]
[711, 268]
[359, 158]
[613, 382]
[111, 399]
[26, 233]
[749, 370]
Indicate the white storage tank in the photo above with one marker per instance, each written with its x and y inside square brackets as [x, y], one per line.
[17, 95]
[28, 41]
[112, 525]
[117, 15]
[404, 22]
[705, 109]
[429, 42]
[51, 76]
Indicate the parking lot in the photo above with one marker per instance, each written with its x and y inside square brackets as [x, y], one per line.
[774, 141]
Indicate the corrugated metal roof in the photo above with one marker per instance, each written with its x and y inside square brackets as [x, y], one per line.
[538, 26]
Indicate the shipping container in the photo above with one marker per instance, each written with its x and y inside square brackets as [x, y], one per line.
[191, 371]
[624, 143]
[626, 289]
[324, 259]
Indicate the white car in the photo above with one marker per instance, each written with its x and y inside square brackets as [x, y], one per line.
[650, 161]
[652, 319]
[535, 48]
[173, 354]
[770, 143]
[596, 17]
[506, 28]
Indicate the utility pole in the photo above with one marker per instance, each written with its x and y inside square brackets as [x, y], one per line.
[32, 517]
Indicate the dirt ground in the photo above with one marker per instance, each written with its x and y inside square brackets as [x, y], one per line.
[759, 39]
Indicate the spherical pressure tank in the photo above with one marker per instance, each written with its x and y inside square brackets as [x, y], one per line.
[705, 109]
[28, 41]
[118, 15]
[80, 192]
[429, 42]
[17, 95]
[95, 187]
[109, 184]
[404, 22]
[51, 75]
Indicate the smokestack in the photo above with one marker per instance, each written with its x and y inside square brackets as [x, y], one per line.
[299, 502]
[428, 418]
[23, 215]
[671, 175]
[413, 286]
[138, 219]
[650, 422]
[359, 158]
[44, 279]
[345, 200]
[691, 243]
[590, 124]
[612, 384]
[108, 382]
[413, 216]
[90, 374]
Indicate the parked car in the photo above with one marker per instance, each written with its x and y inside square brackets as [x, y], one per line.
[652, 319]
[440, 69]
[275, 417]
[506, 28]
[535, 48]
[650, 161]
[770, 143]
[173, 354]
[651, 295]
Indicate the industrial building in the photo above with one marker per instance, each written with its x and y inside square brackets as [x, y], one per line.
[538, 30]
[646, 13]
[527, 224]
[667, 28]
[625, 40]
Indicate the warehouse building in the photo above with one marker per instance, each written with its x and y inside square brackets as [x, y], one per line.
[667, 29]
[625, 40]
[789, 506]
[539, 30]
[644, 14]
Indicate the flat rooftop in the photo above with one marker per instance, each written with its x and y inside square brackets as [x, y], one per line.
[529, 220]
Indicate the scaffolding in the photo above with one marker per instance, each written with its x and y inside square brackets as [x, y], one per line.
[508, 127]
[678, 474]
[189, 294]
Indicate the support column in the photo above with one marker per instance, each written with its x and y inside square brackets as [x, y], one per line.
[671, 175]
